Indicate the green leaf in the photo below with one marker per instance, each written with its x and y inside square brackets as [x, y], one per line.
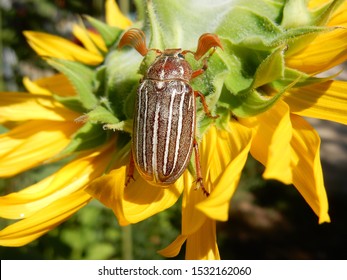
[179, 24]
[126, 126]
[101, 115]
[140, 10]
[99, 81]
[122, 78]
[305, 16]
[249, 29]
[270, 69]
[300, 10]
[81, 77]
[322, 15]
[128, 106]
[87, 137]
[251, 102]
[242, 64]
[72, 102]
[248, 103]
[302, 79]
[211, 86]
[108, 33]
[298, 38]
[268, 8]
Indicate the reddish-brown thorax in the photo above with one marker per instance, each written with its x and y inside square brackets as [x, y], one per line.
[170, 65]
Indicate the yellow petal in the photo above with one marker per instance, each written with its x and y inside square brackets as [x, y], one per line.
[135, 202]
[48, 45]
[326, 101]
[98, 41]
[27, 230]
[22, 204]
[307, 170]
[17, 106]
[312, 4]
[324, 52]
[339, 16]
[228, 154]
[114, 16]
[271, 142]
[32, 143]
[174, 248]
[83, 36]
[202, 244]
[56, 84]
[69, 179]
[192, 219]
[107, 190]
[34, 88]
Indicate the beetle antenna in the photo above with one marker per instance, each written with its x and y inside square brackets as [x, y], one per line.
[187, 51]
[136, 38]
[206, 42]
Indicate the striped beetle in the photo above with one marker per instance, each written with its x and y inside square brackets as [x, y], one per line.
[165, 112]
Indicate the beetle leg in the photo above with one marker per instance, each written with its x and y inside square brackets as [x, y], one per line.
[201, 70]
[136, 38]
[131, 168]
[204, 65]
[199, 179]
[204, 104]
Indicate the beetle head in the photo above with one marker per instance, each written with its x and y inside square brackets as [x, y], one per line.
[173, 52]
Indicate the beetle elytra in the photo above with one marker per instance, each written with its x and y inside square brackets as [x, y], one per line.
[165, 111]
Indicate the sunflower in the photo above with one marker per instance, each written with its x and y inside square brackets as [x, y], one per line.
[261, 85]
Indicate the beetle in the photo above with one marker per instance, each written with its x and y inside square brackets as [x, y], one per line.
[164, 120]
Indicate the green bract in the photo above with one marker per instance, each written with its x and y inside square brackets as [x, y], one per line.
[243, 80]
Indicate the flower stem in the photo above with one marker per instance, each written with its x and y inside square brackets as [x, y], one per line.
[127, 243]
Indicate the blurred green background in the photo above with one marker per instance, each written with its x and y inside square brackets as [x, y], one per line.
[268, 220]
